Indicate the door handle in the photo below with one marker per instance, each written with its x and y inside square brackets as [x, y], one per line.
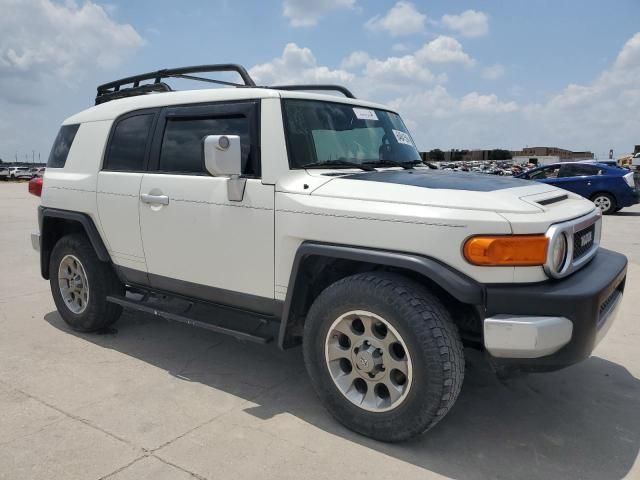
[154, 199]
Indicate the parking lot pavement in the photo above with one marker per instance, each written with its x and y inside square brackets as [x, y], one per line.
[162, 401]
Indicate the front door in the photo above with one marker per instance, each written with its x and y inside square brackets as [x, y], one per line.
[196, 241]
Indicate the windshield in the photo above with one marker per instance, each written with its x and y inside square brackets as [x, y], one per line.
[319, 132]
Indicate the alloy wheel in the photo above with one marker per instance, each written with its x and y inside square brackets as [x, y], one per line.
[368, 361]
[73, 283]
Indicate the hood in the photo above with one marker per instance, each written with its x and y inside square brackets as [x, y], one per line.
[439, 188]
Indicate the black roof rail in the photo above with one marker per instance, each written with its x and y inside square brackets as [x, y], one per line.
[130, 86]
[331, 88]
[113, 90]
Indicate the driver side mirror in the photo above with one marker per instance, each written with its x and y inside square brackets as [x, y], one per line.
[223, 157]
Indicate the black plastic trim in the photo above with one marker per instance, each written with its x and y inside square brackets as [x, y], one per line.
[225, 298]
[577, 297]
[460, 286]
[83, 219]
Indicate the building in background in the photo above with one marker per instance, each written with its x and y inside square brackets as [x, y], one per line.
[535, 155]
[561, 153]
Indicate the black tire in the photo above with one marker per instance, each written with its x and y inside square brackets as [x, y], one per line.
[612, 202]
[432, 341]
[102, 280]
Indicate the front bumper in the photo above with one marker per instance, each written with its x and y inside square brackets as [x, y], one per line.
[554, 324]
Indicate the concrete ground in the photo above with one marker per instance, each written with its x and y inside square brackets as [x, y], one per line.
[164, 401]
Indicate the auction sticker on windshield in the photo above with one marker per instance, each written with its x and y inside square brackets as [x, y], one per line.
[365, 114]
[402, 137]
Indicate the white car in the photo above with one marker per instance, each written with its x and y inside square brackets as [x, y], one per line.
[16, 173]
[312, 218]
[4, 173]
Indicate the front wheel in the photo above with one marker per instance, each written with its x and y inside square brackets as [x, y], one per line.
[80, 284]
[383, 355]
[605, 202]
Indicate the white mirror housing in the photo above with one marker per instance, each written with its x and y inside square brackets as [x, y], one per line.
[222, 155]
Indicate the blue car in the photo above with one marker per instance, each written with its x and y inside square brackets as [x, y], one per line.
[610, 188]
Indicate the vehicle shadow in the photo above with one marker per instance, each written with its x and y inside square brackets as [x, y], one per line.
[582, 422]
[626, 214]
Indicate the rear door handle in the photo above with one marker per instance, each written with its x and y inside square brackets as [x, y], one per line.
[154, 199]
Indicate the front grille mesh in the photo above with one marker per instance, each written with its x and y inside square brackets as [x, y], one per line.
[580, 247]
[604, 307]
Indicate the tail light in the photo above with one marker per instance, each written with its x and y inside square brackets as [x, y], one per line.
[629, 179]
[35, 186]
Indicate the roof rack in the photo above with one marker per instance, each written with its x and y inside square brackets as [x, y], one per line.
[120, 89]
[332, 88]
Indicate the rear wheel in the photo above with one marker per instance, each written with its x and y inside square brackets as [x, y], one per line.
[605, 202]
[383, 355]
[80, 284]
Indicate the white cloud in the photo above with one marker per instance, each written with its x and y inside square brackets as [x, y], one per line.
[307, 13]
[469, 23]
[297, 65]
[493, 72]
[597, 115]
[42, 38]
[398, 70]
[355, 60]
[402, 19]
[444, 50]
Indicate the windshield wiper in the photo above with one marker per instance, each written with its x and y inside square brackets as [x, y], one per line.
[405, 165]
[339, 163]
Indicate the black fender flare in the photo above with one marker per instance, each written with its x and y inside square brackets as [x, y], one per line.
[460, 286]
[83, 219]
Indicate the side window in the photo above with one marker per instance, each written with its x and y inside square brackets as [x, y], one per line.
[181, 150]
[577, 170]
[61, 146]
[129, 143]
[549, 172]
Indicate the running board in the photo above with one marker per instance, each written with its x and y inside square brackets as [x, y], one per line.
[149, 307]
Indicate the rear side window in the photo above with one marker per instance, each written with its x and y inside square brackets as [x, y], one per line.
[129, 143]
[181, 150]
[577, 170]
[61, 146]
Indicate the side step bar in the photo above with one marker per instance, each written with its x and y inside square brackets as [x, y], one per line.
[148, 307]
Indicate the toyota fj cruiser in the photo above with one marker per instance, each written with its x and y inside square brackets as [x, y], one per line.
[311, 219]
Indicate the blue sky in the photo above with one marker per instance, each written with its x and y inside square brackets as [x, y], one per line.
[463, 74]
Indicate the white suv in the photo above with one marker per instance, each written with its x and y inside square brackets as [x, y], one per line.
[312, 218]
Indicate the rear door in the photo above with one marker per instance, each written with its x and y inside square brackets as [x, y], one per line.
[196, 241]
[118, 189]
[579, 178]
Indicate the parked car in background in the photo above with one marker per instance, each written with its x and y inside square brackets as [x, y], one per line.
[19, 172]
[39, 172]
[4, 173]
[610, 188]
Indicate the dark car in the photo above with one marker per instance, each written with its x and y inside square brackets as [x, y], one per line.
[610, 188]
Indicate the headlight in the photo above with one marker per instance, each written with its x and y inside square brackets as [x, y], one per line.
[558, 252]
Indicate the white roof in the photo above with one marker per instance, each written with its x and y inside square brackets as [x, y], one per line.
[114, 108]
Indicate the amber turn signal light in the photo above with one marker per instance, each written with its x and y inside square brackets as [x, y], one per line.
[507, 250]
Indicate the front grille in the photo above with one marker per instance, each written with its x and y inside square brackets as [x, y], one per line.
[583, 241]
